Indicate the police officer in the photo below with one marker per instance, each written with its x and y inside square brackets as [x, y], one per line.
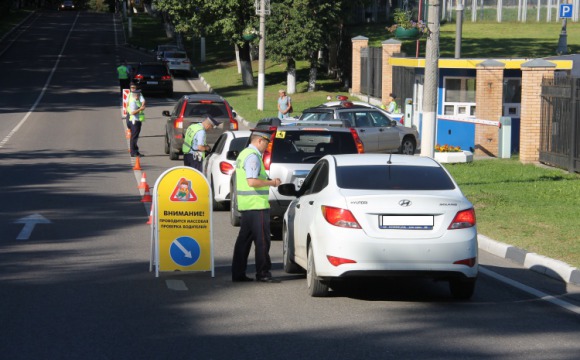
[136, 111]
[253, 187]
[123, 73]
[194, 143]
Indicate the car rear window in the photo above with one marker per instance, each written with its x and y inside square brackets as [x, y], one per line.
[238, 143]
[309, 146]
[158, 70]
[214, 109]
[389, 177]
[317, 116]
[175, 55]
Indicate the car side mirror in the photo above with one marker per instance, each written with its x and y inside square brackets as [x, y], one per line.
[165, 113]
[232, 155]
[393, 123]
[288, 189]
[234, 114]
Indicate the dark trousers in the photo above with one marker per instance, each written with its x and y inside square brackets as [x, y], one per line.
[254, 227]
[191, 161]
[124, 84]
[135, 131]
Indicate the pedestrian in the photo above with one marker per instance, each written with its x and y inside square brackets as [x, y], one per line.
[123, 73]
[136, 111]
[194, 143]
[253, 187]
[284, 105]
[392, 106]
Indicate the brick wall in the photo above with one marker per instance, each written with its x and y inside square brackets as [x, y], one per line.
[358, 43]
[390, 47]
[489, 105]
[532, 74]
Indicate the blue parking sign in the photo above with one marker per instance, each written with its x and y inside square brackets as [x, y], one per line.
[565, 11]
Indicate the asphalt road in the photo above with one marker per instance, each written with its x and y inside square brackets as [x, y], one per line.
[75, 247]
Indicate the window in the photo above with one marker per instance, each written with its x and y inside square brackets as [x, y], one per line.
[393, 177]
[459, 96]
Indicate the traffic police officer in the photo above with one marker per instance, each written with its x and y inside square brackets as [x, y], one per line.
[253, 187]
[136, 110]
[123, 73]
[194, 143]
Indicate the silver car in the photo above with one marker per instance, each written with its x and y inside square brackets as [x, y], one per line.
[377, 131]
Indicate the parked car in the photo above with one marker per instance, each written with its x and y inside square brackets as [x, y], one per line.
[153, 77]
[377, 131]
[66, 6]
[380, 215]
[291, 154]
[165, 47]
[194, 108]
[177, 61]
[218, 169]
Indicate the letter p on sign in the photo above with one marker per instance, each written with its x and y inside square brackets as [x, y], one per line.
[565, 11]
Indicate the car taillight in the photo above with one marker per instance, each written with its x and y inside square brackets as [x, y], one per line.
[360, 148]
[339, 217]
[166, 77]
[463, 219]
[233, 124]
[206, 102]
[226, 168]
[139, 77]
[178, 123]
[336, 261]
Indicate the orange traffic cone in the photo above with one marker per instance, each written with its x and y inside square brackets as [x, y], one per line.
[143, 182]
[128, 134]
[147, 195]
[137, 164]
[150, 221]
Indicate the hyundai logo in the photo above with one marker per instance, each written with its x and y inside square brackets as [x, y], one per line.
[405, 202]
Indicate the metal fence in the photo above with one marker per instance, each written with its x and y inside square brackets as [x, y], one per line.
[371, 71]
[560, 123]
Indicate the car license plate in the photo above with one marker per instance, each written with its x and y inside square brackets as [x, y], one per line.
[406, 222]
[175, 63]
[152, 82]
[299, 182]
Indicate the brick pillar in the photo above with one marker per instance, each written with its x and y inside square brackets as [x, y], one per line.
[489, 101]
[390, 47]
[532, 73]
[358, 43]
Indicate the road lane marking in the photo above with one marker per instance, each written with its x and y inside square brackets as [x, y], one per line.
[17, 127]
[29, 224]
[539, 294]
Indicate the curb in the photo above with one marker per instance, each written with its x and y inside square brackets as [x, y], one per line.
[556, 269]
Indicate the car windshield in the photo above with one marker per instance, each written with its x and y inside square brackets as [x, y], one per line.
[393, 177]
[202, 109]
[317, 116]
[175, 55]
[309, 146]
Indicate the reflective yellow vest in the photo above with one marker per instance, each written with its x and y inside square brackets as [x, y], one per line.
[123, 72]
[131, 107]
[189, 136]
[250, 198]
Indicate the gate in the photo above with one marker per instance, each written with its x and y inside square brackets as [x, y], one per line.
[403, 83]
[560, 123]
[371, 71]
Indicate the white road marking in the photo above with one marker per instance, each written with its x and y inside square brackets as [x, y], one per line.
[541, 295]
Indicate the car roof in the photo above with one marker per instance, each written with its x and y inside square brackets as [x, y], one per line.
[383, 159]
[329, 108]
[203, 96]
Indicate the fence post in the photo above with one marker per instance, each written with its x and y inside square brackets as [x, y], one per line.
[573, 134]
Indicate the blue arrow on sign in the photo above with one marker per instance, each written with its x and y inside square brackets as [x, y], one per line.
[185, 251]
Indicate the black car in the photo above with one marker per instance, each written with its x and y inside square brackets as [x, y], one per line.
[153, 77]
[194, 108]
[66, 6]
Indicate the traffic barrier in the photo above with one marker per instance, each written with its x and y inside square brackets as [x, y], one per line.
[137, 164]
[150, 221]
[143, 182]
[147, 195]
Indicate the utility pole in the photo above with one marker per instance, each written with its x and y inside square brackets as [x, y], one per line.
[262, 9]
[563, 40]
[458, 28]
[428, 134]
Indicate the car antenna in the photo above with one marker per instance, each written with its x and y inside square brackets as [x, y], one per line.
[390, 155]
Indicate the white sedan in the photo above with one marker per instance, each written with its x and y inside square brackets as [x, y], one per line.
[177, 61]
[218, 169]
[380, 215]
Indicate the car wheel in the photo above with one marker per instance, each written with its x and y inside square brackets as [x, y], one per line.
[290, 266]
[216, 205]
[316, 288]
[407, 146]
[462, 289]
[166, 147]
[173, 152]
[234, 216]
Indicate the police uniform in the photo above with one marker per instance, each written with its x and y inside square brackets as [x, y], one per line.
[195, 136]
[135, 121]
[254, 206]
[123, 73]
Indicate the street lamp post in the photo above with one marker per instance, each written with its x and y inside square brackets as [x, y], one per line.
[262, 9]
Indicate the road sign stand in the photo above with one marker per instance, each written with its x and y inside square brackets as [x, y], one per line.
[181, 231]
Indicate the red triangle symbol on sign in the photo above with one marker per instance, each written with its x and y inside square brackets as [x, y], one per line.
[183, 191]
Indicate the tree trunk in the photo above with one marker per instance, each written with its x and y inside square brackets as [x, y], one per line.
[313, 72]
[291, 76]
[246, 65]
[237, 49]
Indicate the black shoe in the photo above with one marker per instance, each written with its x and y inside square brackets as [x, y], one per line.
[242, 279]
[268, 279]
[140, 155]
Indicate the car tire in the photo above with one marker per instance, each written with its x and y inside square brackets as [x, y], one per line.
[316, 288]
[290, 266]
[173, 152]
[166, 145]
[408, 146]
[234, 216]
[462, 289]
